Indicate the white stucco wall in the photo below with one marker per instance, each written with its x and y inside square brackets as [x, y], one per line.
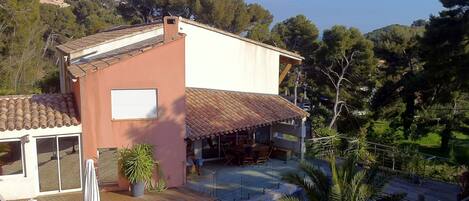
[13, 187]
[218, 61]
[116, 44]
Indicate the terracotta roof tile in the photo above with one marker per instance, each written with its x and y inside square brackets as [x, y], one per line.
[215, 112]
[106, 36]
[37, 111]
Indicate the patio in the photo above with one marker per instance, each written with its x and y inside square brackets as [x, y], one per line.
[173, 194]
[235, 183]
[432, 190]
[231, 183]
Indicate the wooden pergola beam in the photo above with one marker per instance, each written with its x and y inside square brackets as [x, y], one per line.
[284, 73]
[289, 64]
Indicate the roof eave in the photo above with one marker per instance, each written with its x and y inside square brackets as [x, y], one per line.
[290, 54]
[76, 52]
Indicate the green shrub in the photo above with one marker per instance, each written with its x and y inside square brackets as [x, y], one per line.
[441, 172]
[325, 132]
[137, 163]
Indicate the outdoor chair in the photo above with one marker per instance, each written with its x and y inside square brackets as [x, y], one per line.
[229, 157]
[264, 154]
[248, 157]
[248, 160]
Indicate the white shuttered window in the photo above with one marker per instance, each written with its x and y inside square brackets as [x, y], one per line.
[134, 103]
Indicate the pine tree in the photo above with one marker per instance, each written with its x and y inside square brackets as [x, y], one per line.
[21, 63]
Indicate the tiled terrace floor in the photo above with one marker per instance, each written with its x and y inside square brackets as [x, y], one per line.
[432, 190]
[174, 194]
[235, 183]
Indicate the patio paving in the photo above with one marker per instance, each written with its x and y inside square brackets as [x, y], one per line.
[234, 183]
[231, 183]
[432, 190]
[173, 194]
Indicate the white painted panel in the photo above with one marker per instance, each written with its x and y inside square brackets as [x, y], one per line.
[116, 44]
[218, 61]
[134, 103]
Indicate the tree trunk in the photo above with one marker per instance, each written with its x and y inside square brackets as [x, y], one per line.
[445, 137]
[408, 115]
[336, 109]
[449, 125]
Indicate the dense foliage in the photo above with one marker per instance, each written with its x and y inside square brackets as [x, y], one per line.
[21, 47]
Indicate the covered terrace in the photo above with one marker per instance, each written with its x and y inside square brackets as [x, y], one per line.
[237, 135]
[241, 128]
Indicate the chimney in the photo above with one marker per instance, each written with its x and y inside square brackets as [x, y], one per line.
[171, 28]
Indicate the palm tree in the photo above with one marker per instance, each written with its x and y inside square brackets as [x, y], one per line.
[315, 183]
[348, 182]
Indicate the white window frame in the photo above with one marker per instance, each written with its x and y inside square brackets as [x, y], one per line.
[22, 159]
[56, 138]
[136, 118]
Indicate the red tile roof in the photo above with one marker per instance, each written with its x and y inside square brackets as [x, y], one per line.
[215, 112]
[37, 111]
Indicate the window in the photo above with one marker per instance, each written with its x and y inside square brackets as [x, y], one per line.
[11, 158]
[134, 104]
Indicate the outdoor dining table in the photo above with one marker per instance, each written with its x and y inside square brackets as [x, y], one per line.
[243, 151]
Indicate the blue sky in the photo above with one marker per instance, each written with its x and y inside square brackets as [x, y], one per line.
[366, 15]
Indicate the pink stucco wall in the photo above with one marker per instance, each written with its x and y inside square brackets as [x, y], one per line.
[161, 68]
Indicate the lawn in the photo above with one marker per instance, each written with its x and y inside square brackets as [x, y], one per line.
[430, 143]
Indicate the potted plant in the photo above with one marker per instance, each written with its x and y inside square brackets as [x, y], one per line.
[137, 165]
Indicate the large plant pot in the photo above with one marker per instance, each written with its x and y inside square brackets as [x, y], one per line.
[137, 189]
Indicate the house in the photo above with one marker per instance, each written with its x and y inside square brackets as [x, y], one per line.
[170, 84]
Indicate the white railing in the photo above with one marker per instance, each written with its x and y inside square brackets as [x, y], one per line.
[387, 157]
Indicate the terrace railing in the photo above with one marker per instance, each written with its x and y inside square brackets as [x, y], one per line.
[205, 184]
[387, 157]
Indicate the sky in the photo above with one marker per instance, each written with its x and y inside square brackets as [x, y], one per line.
[365, 15]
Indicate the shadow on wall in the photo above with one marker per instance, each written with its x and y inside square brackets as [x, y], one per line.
[167, 134]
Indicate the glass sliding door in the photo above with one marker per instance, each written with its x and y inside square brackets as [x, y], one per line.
[69, 152]
[59, 163]
[47, 164]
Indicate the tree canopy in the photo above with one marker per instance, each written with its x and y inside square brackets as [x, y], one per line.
[347, 60]
[297, 34]
[21, 64]
[234, 16]
[397, 47]
[445, 50]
